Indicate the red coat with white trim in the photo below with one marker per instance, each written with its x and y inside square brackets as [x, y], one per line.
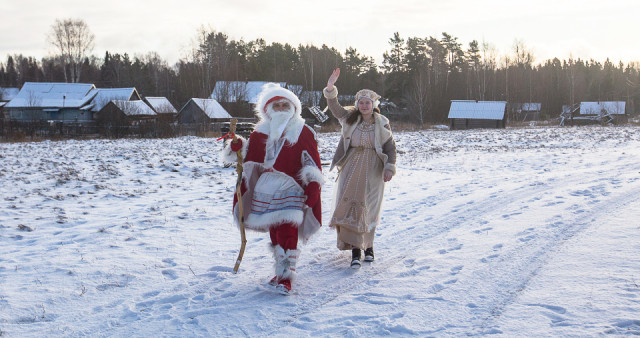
[299, 160]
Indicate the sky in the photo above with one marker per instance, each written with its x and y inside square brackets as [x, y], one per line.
[587, 29]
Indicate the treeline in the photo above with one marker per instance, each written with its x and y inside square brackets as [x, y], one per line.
[419, 75]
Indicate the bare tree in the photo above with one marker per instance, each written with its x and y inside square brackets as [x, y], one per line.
[73, 41]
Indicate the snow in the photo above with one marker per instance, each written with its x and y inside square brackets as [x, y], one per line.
[514, 232]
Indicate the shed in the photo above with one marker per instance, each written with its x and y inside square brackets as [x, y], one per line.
[468, 114]
[528, 111]
[202, 111]
[47, 101]
[161, 105]
[124, 112]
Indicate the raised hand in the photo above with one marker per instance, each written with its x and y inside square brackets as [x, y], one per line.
[332, 79]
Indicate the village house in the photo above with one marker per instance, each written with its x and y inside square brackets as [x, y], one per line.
[202, 111]
[470, 114]
[60, 102]
[6, 94]
[161, 105]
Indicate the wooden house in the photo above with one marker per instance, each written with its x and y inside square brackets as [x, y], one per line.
[59, 102]
[6, 94]
[161, 105]
[105, 95]
[202, 111]
[124, 112]
[599, 112]
[470, 114]
[528, 111]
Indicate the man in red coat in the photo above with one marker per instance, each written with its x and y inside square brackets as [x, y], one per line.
[281, 179]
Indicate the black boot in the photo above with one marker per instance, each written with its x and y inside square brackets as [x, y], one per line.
[355, 258]
[368, 255]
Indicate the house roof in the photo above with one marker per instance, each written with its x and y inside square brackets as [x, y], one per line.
[234, 91]
[134, 108]
[51, 94]
[212, 108]
[106, 95]
[161, 105]
[470, 109]
[8, 93]
[595, 108]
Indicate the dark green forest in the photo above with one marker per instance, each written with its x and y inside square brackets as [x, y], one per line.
[420, 75]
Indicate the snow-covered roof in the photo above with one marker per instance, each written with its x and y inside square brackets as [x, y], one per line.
[8, 93]
[133, 108]
[595, 108]
[212, 108]
[530, 106]
[235, 91]
[50, 94]
[470, 109]
[106, 95]
[161, 105]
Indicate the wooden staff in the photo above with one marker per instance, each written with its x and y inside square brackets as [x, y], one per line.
[243, 237]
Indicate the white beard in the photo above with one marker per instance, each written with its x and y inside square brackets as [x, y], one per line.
[278, 121]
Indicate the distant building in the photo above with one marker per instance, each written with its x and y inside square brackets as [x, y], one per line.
[202, 111]
[470, 114]
[62, 102]
[240, 97]
[124, 112]
[599, 112]
[161, 105]
[6, 94]
[528, 111]
[105, 95]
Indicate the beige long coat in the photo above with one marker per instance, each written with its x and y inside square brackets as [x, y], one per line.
[359, 232]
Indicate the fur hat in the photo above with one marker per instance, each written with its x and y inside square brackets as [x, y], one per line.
[369, 94]
[272, 92]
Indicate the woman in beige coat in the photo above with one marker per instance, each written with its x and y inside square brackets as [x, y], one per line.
[365, 159]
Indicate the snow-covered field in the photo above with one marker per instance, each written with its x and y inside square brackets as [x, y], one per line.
[516, 232]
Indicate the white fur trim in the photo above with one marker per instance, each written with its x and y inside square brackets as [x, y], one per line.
[286, 263]
[330, 94]
[263, 222]
[270, 90]
[390, 166]
[310, 174]
[228, 156]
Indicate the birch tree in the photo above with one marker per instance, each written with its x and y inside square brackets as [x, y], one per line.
[73, 41]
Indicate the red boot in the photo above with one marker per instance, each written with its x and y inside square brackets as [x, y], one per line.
[284, 287]
[274, 281]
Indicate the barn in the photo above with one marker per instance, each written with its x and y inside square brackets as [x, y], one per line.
[471, 114]
[124, 112]
[161, 105]
[202, 111]
[528, 111]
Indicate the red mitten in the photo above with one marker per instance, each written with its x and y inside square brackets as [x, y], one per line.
[313, 194]
[236, 145]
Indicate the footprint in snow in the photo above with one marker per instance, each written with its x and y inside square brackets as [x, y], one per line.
[170, 273]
